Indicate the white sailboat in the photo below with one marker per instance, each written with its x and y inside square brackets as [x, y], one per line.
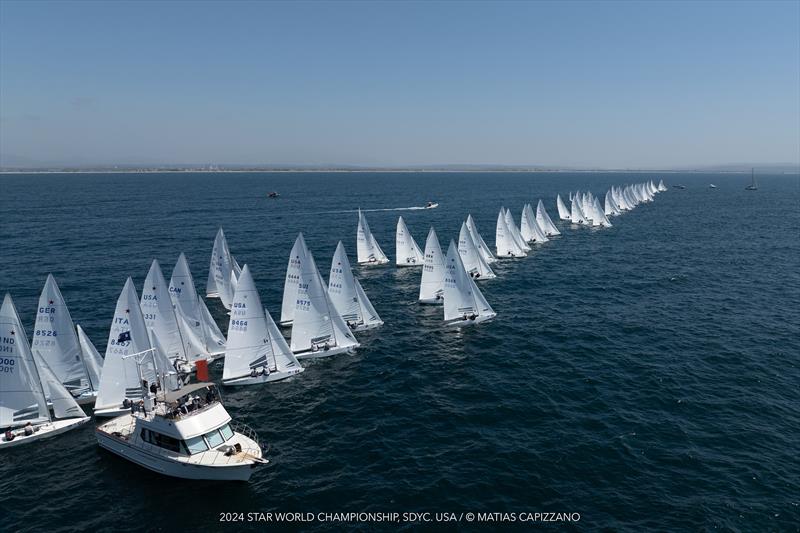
[291, 280]
[473, 261]
[128, 345]
[545, 222]
[563, 212]
[464, 303]
[505, 244]
[222, 271]
[431, 287]
[515, 233]
[256, 350]
[661, 186]
[408, 253]
[56, 341]
[200, 333]
[600, 218]
[577, 216]
[369, 252]
[318, 330]
[348, 297]
[159, 314]
[484, 249]
[25, 380]
[529, 228]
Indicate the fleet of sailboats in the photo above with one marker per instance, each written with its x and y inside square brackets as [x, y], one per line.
[156, 341]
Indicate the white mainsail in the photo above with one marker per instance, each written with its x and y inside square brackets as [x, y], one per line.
[222, 271]
[369, 252]
[91, 358]
[463, 301]
[484, 249]
[408, 253]
[252, 350]
[545, 222]
[357, 311]
[318, 329]
[128, 336]
[22, 397]
[563, 212]
[292, 277]
[159, 313]
[431, 287]
[55, 339]
[474, 263]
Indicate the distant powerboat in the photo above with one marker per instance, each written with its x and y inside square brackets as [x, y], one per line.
[679, 186]
[712, 186]
[432, 205]
[753, 185]
[273, 194]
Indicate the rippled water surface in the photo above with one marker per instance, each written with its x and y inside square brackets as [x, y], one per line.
[644, 376]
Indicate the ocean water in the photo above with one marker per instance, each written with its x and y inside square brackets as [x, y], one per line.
[645, 376]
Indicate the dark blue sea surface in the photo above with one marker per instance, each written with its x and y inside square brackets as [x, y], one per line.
[646, 376]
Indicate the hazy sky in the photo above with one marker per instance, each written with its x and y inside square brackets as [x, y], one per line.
[608, 84]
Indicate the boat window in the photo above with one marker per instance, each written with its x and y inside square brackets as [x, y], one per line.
[214, 438]
[196, 445]
[226, 431]
[162, 441]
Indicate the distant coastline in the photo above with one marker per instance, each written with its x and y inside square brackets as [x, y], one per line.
[737, 169]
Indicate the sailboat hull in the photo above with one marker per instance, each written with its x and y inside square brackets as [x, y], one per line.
[324, 353]
[431, 301]
[458, 323]
[272, 376]
[86, 398]
[48, 429]
[111, 412]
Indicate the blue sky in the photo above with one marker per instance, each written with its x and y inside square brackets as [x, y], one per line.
[628, 84]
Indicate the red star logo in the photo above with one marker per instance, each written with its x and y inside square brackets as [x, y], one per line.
[51, 302]
[127, 310]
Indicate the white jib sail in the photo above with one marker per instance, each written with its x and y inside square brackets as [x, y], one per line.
[474, 263]
[159, 313]
[563, 212]
[54, 338]
[128, 336]
[408, 253]
[369, 315]
[545, 222]
[91, 358]
[484, 249]
[369, 252]
[64, 404]
[431, 286]
[316, 322]
[296, 257]
[460, 291]
[284, 358]
[21, 394]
